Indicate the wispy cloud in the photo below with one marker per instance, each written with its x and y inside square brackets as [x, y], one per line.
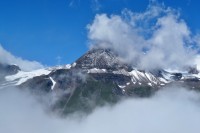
[58, 60]
[95, 5]
[7, 58]
[74, 3]
[71, 3]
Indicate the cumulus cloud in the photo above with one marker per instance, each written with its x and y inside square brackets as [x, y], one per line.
[172, 110]
[7, 58]
[155, 38]
[168, 44]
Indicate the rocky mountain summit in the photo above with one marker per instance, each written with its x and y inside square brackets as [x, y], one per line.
[98, 77]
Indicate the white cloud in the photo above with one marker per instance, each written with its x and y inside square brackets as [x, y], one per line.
[95, 5]
[172, 110]
[158, 31]
[116, 34]
[168, 44]
[7, 58]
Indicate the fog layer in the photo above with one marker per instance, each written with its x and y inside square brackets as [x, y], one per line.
[172, 110]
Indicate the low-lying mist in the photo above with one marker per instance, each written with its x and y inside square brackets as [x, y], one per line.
[171, 110]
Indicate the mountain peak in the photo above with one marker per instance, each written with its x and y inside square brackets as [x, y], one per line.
[101, 59]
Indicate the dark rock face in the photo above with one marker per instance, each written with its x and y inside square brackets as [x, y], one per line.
[176, 76]
[109, 77]
[157, 72]
[8, 70]
[90, 94]
[82, 91]
[193, 70]
[67, 78]
[40, 84]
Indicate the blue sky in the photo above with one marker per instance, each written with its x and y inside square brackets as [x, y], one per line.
[44, 30]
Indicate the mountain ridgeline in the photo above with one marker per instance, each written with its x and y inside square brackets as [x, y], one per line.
[97, 78]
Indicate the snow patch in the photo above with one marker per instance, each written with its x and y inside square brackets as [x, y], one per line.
[163, 80]
[74, 64]
[68, 66]
[22, 76]
[54, 83]
[149, 84]
[122, 86]
[96, 70]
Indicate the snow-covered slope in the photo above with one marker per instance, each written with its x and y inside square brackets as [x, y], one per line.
[21, 76]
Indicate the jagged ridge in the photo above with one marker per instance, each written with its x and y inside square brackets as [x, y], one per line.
[99, 75]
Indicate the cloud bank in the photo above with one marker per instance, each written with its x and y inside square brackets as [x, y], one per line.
[172, 110]
[155, 38]
[7, 58]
